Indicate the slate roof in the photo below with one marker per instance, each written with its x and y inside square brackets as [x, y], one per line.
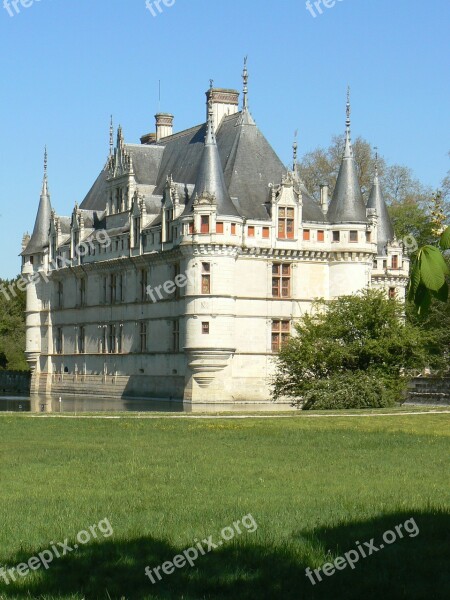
[385, 227]
[39, 238]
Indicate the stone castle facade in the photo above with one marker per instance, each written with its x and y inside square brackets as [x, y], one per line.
[189, 261]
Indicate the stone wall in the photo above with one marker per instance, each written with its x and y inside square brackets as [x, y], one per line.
[15, 382]
[430, 390]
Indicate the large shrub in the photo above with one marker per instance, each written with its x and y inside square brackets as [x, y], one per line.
[354, 345]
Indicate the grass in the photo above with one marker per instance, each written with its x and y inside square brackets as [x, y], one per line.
[314, 487]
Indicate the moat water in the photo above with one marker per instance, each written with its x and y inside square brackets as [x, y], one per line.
[76, 404]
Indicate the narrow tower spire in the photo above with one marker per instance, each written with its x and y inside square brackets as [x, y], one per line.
[377, 202]
[295, 150]
[45, 179]
[210, 135]
[245, 79]
[347, 204]
[111, 137]
[348, 138]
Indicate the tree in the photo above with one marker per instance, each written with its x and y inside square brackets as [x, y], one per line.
[12, 328]
[352, 346]
[322, 166]
[429, 274]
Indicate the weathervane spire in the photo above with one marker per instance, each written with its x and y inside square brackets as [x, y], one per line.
[111, 136]
[295, 149]
[376, 161]
[210, 138]
[348, 142]
[245, 79]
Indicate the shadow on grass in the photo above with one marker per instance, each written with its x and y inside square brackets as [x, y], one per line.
[411, 568]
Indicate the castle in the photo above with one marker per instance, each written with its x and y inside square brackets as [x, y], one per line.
[186, 266]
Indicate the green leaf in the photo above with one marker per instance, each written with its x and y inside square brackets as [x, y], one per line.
[422, 299]
[442, 294]
[414, 281]
[445, 239]
[433, 268]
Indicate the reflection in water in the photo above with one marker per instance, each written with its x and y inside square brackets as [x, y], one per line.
[15, 404]
[77, 404]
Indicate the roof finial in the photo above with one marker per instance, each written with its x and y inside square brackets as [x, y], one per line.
[376, 161]
[295, 148]
[348, 153]
[111, 136]
[45, 161]
[245, 79]
[211, 84]
[210, 138]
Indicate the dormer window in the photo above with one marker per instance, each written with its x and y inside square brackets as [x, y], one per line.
[136, 231]
[394, 262]
[286, 223]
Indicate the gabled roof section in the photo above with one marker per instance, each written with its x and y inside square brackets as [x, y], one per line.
[377, 202]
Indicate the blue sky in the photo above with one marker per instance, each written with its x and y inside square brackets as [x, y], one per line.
[68, 64]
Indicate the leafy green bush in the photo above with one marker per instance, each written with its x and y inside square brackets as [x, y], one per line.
[352, 390]
[355, 349]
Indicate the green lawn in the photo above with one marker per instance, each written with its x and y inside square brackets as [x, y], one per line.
[314, 486]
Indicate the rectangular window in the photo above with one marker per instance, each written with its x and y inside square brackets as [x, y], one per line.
[81, 340]
[136, 231]
[176, 335]
[281, 331]
[103, 340]
[368, 237]
[120, 339]
[392, 293]
[112, 338]
[233, 228]
[204, 228]
[143, 336]
[205, 328]
[384, 264]
[336, 236]
[286, 223]
[306, 235]
[266, 232]
[82, 291]
[321, 235]
[206, 278]
[143, 283]
[219, 227]
[60, 294]
[59, 341]
[353, 236]
[112, 289]
[251, 231]
[119, 294]
[176, 273]
[191, 228]
[394, 262]
[281, 280]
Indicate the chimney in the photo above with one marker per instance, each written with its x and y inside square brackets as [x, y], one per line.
[164, 125]
[148, 139]
[324, 189]
[225, 102]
